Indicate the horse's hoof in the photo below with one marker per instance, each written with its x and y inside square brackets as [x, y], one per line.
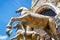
[9, 26]
[8, 31]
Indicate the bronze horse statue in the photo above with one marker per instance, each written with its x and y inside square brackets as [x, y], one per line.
[36, 21]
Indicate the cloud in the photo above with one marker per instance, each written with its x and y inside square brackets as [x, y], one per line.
[3, 37]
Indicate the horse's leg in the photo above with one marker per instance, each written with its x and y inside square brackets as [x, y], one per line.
[8, 29]
[13, 19]
[9, 26]
[53, 29]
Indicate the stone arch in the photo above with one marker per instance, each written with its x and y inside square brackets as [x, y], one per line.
[47, 7]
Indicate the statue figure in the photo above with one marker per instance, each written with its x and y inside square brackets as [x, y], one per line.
[34, 18]
[31, 19]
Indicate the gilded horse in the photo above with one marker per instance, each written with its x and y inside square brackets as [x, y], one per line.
[36, 21]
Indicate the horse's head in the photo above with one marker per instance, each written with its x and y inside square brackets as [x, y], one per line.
[23, 10]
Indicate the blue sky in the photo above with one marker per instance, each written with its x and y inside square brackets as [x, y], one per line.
[7, 10]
